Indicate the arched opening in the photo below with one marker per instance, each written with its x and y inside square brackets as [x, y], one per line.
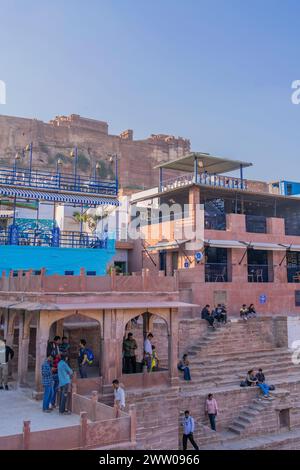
[75, 328]
[140, 326]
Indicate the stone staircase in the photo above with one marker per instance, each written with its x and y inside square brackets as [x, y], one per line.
[249, 417]
[223, 356]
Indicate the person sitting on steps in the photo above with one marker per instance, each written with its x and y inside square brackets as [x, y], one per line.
[265, 388]
[207, 315]
[251, 311]
[251, 379]
[183, 365]
[244, 312]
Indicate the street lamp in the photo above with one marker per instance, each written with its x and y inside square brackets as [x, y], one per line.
[74, 154]
[17, 157]
[29, 148]
[114, 157]
[58, 165]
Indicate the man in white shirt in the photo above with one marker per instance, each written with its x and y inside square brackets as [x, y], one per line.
[148, 351]
[119, 397]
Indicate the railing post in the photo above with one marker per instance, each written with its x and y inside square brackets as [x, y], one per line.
[94, 405]
[83, 429]
[132, 414]
[26, 435]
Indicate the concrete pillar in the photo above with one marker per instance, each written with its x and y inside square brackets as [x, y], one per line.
[132, 414]
[83, 429]
[173, 345]
[10, 335]
[26, 435]
[111, 347]
[24, 338]
[194, 200]
[42, 336]
[280, 272]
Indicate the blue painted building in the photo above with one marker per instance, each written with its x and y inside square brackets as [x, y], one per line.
[28, 244]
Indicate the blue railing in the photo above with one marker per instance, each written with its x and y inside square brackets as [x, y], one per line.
[56, 181]
[219, 181]
[60, 239]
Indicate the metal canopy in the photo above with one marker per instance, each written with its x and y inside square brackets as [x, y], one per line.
[66, 198]
[225, 243]
[210, 163]
[166, 245]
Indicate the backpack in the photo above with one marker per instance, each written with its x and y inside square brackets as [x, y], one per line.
[272, 387]
[90, 355]
[243, 383]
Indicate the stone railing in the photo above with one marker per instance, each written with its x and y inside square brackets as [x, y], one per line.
[138, 282]
[97, 427]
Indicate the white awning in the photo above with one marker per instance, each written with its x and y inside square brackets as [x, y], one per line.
[166, 245]
[290, 247]
[253, 245]
[264, 246]
[225, 243]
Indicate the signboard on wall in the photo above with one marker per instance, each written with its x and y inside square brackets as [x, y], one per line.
[186, 264]
[262, 299]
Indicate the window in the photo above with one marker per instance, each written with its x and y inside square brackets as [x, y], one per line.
[284, 418]
[69, 273]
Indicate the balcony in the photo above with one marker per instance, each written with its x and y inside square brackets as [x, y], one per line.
[293, 273]
[258, 273]
[216, 272]
[54, 238]
[42, 180]
[219, 181]
[256, 224]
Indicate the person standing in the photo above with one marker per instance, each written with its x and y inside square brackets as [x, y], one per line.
[211, 409]
[83, 359]
[64, 376]
[129, 348]
[119, 397]
[53, 347]
[64, 347]
[148, 351]
[7, 355]
[55, 380]
[47, 382]
[188, 424]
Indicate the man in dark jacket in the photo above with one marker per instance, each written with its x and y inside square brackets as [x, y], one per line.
[206, 315]
[53, 347]
[9, 354]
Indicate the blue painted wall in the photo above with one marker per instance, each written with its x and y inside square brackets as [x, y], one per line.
[289, 188]
[56, 260]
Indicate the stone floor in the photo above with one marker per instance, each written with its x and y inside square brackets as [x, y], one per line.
[17, 406]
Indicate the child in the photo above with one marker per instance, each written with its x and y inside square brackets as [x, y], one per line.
[154, 359]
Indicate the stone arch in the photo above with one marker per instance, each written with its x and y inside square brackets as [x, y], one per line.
[76, 325]
[140, 325]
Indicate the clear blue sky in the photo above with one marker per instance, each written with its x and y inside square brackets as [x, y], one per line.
[218, 71]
